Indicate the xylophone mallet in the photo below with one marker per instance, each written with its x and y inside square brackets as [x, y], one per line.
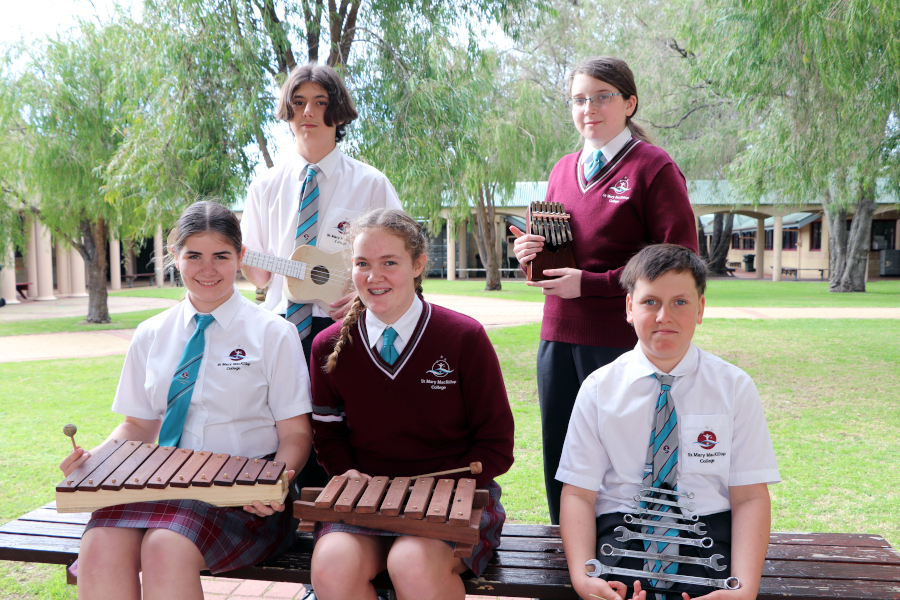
[70, 430]
[474, 467]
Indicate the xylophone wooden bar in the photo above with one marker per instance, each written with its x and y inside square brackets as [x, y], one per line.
[422, 509]
[121, 471]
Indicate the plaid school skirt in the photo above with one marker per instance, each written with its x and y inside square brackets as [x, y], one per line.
[492, 518]
[228, 538]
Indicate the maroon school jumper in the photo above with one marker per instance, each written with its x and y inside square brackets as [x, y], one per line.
[638, 198]
[440, 406]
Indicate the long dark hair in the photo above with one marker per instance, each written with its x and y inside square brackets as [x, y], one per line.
[616, 73]
[340, 110]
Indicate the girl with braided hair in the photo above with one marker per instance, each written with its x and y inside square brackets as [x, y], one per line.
[403, 387]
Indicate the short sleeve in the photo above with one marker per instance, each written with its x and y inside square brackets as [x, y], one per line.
[753, 457]
[132, 399]
[584, 459]
[289, 390]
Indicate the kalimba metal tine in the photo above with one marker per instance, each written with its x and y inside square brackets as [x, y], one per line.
[122, 474]
[440, 501]
[164, 474]
[140, 478]
[351, 494]
[210, 469]
[419, 498]
[331, 492]
[93, 461]
[233, 469]
[374, 494]
[461, 510]
[249, 472]
[396, 494]
[115, 460]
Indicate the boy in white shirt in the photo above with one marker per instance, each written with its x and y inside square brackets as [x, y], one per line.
[701, 431]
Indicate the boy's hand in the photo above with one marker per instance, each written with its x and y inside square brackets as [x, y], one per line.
[742, 593]
[341, 306]
[594, 587]
[568, 284]
[526, 246]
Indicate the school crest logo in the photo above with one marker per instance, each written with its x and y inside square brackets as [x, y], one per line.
[342, 227]
[237, 354]
[621, 185]
[185, 376]
[440, 368]
[666, 448]
[707, 440]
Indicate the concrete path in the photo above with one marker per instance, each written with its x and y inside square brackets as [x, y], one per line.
[76, 307]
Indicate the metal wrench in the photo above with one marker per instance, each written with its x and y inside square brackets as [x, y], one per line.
[647, 511]
[698, 528]
[712, 562]
[668, 492]
[731, 583]
[627, 535]
[638, 498]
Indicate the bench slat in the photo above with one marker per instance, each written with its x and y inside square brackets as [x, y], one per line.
[49, 515]
[774, 588]
[61, 530]
[829, 570]
[829, 539]
[28, 548]
[881, 556]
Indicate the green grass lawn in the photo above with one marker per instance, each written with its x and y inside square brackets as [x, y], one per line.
[720, 292]
[829, 389]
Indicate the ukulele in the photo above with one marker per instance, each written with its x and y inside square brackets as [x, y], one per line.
[310, 274]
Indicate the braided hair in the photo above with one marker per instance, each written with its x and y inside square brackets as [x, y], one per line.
[396, 223]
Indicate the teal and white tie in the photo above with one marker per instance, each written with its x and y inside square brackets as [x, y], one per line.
[388, 352]
[307, 233]
[660, 472]
[593, 166]
[182, 387]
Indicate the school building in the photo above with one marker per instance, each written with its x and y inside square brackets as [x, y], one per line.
[793, 239]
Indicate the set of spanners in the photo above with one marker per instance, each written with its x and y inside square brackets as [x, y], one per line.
[627, 535]
[712, 562]
[731, 583]
[550, 220]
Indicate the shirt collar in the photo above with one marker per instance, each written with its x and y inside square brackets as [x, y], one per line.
[609, 150]
[326, 166]
[405, 325]
[223, 314]
[642, 367]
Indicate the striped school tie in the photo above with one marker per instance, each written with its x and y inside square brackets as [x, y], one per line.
[307, 232]
[659, 472]
[388, 352]
[593, 166]
[182, 387]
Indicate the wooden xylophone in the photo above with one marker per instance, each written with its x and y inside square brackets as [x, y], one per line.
[444, 510]
[122, 471]
[549, 219]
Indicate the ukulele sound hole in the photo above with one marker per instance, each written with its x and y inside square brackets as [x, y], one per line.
[319, 275]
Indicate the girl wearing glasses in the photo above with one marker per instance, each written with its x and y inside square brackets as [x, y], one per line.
[622, 193]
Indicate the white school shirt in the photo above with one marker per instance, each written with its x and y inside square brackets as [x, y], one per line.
[723, 437]
[609, 150]
[253, 374]
[405, 327]
[348, 189]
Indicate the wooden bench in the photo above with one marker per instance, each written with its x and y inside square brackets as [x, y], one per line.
[22, 288]
[794, 270]
[531, 563]
[736, 264]
[132, 276]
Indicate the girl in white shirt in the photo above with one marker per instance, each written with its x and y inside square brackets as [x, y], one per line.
[250, 398]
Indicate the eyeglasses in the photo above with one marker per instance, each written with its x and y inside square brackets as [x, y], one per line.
[598, 100]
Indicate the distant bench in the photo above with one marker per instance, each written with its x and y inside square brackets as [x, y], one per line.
[793, 271]
[22, 288]
[132, 276]
[530, 562]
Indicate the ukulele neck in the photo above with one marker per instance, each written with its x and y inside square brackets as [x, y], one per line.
[282, 266]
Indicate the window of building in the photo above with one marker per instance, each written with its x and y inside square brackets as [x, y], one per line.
[770, 239]
[748, 242]
[789, 239]
[883, 235]
[735, 241]
[815, 236]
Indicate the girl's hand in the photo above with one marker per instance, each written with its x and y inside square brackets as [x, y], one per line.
[353, 473]
[526, 246]
[74, 460]
[261, 510]
[567, 285]
[594, 587]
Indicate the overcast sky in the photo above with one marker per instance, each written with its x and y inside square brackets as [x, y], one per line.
[39, 18]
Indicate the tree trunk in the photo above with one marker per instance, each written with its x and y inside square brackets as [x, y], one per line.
[263, 146]
[701, 241]
[720, 243]
[849, 251]
[93, 250]
[486, 238]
